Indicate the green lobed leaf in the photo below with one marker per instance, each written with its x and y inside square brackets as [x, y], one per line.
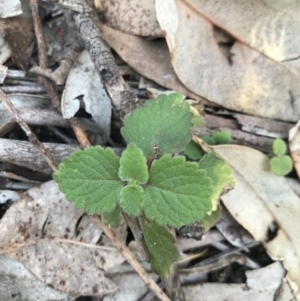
[133, 165]
[177, 193]
[210, 219]
[160, 244]
[193, 151]
[208, 140]
[222, 137]
[197, 120]
[131, 200]
[279, 147]
[282, 165]
[114, 218]
[220, 174]
[161, 126]
[90, 179]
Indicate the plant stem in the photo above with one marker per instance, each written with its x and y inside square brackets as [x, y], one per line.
[129, 257]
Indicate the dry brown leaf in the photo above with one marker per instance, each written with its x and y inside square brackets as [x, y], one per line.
[294, 144]
[264, 203]
[68, 266]
[149, 58]
[57, 243]
[270, 31]
[135, 17]
[18, 33]
[243, 80]
[17, 283]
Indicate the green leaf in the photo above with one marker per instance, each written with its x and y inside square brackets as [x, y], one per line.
[160, 244]
[114, 218]
[198, 120]
[177, 193]
[133, 165]
[193, 151]
[161, 126]
[210, 219]
[220, 174]
[208, 140]
[282, 165]
[90, 179]
[222, 137]
[279, 147]
[131, 200]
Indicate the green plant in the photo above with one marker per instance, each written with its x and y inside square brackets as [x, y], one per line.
[280, 164]
[194, 152]
[148, 182]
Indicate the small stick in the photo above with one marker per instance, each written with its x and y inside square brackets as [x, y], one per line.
[55, 99]
[32, 137]
[129, 257]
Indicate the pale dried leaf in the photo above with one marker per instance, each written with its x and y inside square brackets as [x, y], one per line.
[10, 8]
[294, 143]
[17, 282]
[149, 58]
[135, 17]
[243, 80]
[5, 51]
[268, 30]
[261, 201]
[131, 287]
[262, 285]
[56, 243]
[8, 195]
[68, 266]
[83, 81]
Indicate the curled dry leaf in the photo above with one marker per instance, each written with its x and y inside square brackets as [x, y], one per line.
[294, 143]
[56, 243]
[238, 77]
[266, 206]
[135, 17]
[84, 82]
[149, 58]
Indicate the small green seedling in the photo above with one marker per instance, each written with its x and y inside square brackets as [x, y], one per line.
[280, 164]
[194, 152]
[148, 182]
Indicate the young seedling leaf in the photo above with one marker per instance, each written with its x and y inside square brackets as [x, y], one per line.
[210, 219]
[90, 179]
[114, 218]
[193, 151]
[281, 165]
[198, 120]
[161, 126]
[177, 193]
[279, 147]
[209, 140]
[160, 244]
[220, 174]
[133, 165]
[131, 200]
[222, 137]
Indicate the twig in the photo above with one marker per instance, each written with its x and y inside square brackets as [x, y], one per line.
[32, 137]
[55, 99]
[123, 99]
[129, 257]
